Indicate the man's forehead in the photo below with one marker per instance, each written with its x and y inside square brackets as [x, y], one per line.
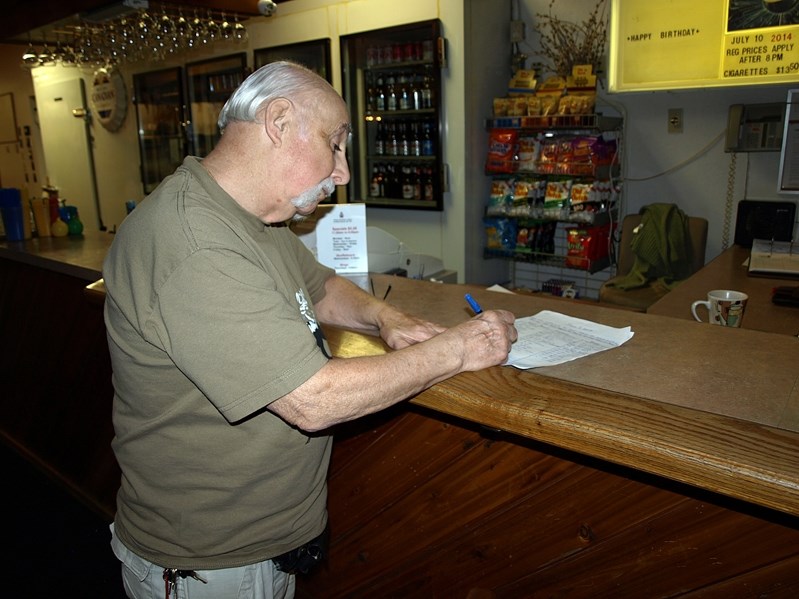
[337, 131]
[344, 129]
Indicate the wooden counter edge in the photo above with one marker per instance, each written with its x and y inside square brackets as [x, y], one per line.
[738, 459]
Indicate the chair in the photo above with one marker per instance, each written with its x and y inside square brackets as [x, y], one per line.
[641, 298]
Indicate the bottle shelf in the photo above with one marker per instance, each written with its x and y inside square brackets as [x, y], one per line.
[398, 203]
[401, 158]
[378, 115]
[392, 82]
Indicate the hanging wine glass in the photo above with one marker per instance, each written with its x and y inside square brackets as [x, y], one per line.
[30, 58]
[46, 56]
[69, 59]
[143, 27]
[211, 29]
[79, 48]
[225, 28]
[182, 29]
[58, 52]
[111, 49]
[126, 34]
[239, 30]
[167, 24]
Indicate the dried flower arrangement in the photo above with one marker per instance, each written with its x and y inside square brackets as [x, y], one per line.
[565, 44]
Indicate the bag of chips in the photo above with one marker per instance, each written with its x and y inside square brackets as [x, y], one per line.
[503, 148]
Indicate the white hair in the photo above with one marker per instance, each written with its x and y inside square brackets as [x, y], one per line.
[282, 79]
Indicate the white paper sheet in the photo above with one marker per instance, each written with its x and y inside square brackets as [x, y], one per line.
[550, 338]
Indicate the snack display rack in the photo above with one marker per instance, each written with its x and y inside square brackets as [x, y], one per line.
[561, 250]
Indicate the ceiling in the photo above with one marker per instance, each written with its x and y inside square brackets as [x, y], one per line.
[34, 18]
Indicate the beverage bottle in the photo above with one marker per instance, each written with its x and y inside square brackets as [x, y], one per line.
[404, 148]
[375, 184]
[392, 143]
[380, 139]
[427, 185]
[404, 94]
[380, 95]
[391, 94]
[427, 141]
[427, 94]
[392, 183]
[416, 140]
[385, 184]
[417, 183]
[416, 93]
[407, 183]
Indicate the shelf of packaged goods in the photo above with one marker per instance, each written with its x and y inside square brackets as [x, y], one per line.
[574, 220]
[399, 66]
[544, 259]
[566, 169]
[566, 122]
[160, 136]
[399, 203]
[403, 158]
[379, 115]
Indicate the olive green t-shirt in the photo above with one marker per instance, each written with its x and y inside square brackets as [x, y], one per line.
[210, 318]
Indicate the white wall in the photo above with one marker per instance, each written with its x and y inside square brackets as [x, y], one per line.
[479, 50]
[440, 234]
[20, 166]
[435, 233]
[700, 186]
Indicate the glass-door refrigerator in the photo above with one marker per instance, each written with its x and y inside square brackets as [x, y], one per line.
[209, 84]
[158, 97]
[392, 85]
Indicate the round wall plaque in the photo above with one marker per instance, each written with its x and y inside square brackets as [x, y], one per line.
[109, 98]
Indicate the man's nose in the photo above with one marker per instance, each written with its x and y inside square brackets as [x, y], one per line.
[341, 170]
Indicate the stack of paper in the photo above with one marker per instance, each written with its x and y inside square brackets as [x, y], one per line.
[550, 338]
[774, 258]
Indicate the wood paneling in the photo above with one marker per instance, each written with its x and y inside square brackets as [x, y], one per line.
[56, 381]
[422, 505]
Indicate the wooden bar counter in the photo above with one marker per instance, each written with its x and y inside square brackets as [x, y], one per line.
[729, 271]
[666, 467]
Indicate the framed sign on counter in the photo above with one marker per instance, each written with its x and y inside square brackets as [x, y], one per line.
[680, 44]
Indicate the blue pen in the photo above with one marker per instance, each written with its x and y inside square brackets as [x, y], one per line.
[473, 303]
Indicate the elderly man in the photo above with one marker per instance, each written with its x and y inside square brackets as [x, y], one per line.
[222, 377]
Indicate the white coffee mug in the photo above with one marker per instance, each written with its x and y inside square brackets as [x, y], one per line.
[725, 307]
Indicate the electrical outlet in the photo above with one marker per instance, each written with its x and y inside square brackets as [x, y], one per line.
[675, 120]
[516, 31]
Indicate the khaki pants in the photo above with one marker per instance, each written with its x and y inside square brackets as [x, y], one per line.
[144, 580]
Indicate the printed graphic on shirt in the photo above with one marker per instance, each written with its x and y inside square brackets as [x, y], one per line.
[310, 319]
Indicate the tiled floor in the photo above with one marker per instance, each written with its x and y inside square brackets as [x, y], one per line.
[54, 545]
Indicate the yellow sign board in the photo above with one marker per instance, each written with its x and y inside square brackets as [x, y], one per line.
[675, 44]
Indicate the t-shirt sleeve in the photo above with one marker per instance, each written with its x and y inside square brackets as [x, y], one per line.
[315, 274]
[243, 338]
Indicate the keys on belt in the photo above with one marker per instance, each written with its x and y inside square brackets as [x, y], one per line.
[171, 580]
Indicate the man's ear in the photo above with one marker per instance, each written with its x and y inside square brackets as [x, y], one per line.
[277, 116]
